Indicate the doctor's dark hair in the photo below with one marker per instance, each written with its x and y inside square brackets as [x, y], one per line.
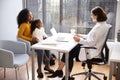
[100, 13]
[22, 17]
[34, 24]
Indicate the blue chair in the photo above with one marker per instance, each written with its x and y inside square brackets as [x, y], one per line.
[13, 54]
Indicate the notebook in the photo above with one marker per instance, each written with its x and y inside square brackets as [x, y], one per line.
[59, 38]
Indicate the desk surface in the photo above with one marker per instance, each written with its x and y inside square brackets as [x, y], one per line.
[115, 56]
[58, 46]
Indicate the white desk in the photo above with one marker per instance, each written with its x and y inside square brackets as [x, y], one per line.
[115, 57]
[63, 47]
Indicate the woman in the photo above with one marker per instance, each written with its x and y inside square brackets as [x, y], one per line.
[94, 38]
[24, 19]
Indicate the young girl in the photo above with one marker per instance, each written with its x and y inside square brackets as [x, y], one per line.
[37, 30]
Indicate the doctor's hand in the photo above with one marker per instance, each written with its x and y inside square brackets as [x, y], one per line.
[76, 38]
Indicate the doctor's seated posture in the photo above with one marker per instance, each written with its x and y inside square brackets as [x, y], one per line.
[94, 38]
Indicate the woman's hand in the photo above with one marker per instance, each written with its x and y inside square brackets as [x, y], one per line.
[34, 40]
[76, 38]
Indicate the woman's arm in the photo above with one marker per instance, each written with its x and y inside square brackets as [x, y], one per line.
[24, 32]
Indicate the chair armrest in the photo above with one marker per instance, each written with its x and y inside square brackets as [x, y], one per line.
[28, 44]
[6, 58]
[19, 47]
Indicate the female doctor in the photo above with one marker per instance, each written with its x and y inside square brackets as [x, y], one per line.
[94, 38]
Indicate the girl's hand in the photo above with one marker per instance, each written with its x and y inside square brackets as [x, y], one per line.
[44, 38]
[34, 40]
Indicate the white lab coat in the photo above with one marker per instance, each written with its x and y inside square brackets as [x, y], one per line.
[95, 38]
[39, 34]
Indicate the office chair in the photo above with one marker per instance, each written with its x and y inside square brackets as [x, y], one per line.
[13, 55]
[97, 61]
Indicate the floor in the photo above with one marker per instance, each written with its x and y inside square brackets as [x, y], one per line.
[22, 74]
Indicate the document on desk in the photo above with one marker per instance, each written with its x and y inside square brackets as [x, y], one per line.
[64, 37]
[52, 40]
[49, 41]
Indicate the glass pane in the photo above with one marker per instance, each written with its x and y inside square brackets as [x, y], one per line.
[35, 6]
[39, 10]
[52, 14]
[69, 15]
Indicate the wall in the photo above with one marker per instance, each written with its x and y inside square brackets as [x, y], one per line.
[9, 9]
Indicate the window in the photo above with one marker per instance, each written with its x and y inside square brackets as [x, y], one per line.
[68, 14]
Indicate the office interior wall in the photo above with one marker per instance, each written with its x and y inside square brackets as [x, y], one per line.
[117, 19]
[9, 9]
